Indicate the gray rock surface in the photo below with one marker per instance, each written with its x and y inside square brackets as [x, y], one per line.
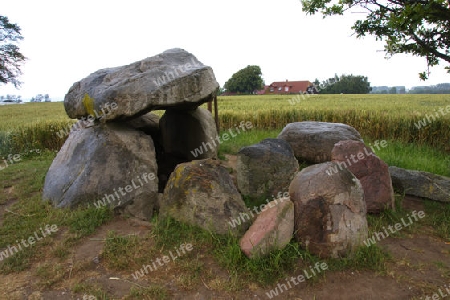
[202, 193]
[148, 123]
[330, 211]
[265, 169]
[174, 78]
[421, 184]
[105, 165]
[313, 141]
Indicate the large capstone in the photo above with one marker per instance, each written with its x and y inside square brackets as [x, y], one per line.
[174, 78]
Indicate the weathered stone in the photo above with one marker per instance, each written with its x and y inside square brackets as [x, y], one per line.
[202, 193]
[174, 78]
[272, 230]
[371, 171]
[421, 184]
[330, 211]
[265, 169]
[189, 135]
[148, 123]
[106, 165]
[313, 141]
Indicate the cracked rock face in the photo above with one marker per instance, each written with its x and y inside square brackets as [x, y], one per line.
[330, 211]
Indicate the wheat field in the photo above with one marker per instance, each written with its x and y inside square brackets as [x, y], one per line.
[389, 117]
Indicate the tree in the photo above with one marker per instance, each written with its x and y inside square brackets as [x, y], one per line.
[346, 84]
[245, 81]
[10, 56]
[417, 27]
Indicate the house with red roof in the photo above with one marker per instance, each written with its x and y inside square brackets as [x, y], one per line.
[290, 87]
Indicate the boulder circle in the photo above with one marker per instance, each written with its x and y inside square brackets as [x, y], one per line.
[202, 193]
[330, 211]
[174, 78]
[372, 172]
[105, 165]
[313, 141]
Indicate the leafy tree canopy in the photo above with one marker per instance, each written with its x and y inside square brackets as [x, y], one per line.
[346, 84]
[245, 81]
[10, 56]
[417, 27]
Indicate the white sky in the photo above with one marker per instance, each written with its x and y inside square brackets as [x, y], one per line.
[66, 41]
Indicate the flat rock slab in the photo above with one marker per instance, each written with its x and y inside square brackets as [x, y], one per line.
[174, 78]
[421, 184]
[313, 141]
[273, 229]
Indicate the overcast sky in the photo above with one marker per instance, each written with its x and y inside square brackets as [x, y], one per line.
[65, 41]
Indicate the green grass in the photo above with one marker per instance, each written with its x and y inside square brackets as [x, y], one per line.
[154, 292]
[415, 157]
[403, 155]
[21, 185]
[90, 290]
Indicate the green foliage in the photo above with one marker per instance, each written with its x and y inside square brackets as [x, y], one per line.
[245, 81]
[346, 84]
[10, 56]
[420, 27]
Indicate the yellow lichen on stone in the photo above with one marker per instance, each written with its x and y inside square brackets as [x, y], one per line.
[88, 103]
[177, 176]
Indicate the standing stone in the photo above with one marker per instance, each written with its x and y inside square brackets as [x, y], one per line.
[330, 211]
[272, 230]
[174, 78]
[110, 163]
[372, 172]
[313, 141]
[202, 193]
[265, 169]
